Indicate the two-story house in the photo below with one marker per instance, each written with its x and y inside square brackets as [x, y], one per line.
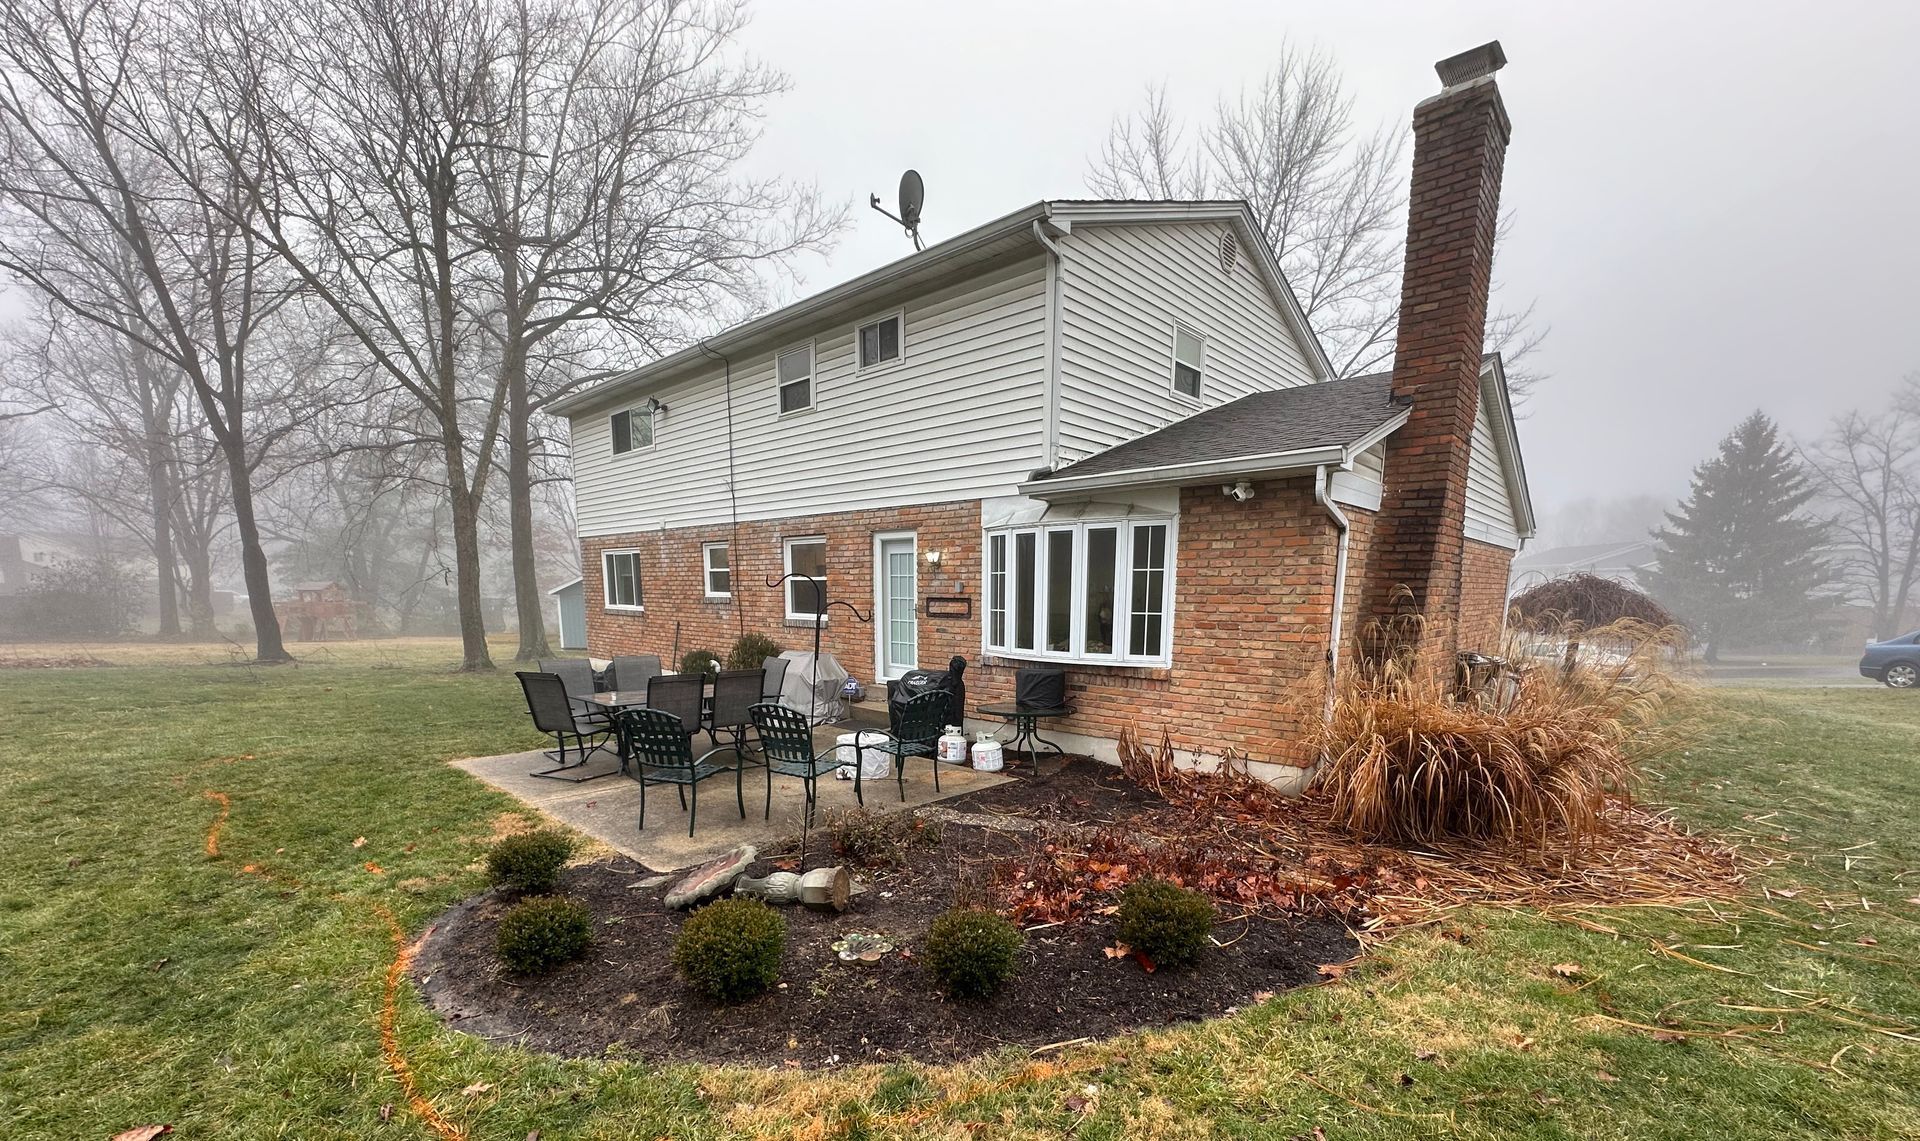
[1095, 434]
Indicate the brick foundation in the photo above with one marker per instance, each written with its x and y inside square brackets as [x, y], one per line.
[1253, 590]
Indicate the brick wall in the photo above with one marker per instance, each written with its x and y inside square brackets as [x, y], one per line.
[1485, 569]
[1460, 139]
[1253, 589]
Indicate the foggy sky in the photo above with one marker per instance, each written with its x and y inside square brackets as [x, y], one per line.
[1714, 205]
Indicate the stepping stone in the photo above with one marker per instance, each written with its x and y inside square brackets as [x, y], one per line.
[710, 879]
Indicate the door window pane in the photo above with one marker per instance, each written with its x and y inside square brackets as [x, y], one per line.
[1102, 546]
[1147, 611]
[1060, 591]
[1024, 545]
[902, 597]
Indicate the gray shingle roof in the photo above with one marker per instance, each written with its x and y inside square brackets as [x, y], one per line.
[1330, 414]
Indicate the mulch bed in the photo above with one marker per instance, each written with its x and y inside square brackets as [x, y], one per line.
[829, 1012]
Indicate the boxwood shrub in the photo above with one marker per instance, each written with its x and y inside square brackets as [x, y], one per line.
[730, 950]
[1165, 922]
[538, 934]
[530, 861]
[972, 953]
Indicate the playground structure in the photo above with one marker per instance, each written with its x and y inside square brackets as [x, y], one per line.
[320, 610]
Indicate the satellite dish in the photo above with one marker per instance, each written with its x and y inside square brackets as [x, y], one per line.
[913, 193]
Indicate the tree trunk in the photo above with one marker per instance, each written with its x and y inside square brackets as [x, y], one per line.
[526, 580]
[466, 566]
[253, 558]
[158, 489]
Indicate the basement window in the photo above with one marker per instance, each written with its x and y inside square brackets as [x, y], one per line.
[1189, 360]
[880, 341]
[716, 566]
[632, 430]
[1099, 591]
[621, 576]
[807, 563]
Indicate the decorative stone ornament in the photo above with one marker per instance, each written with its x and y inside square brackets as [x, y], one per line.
[712, 878]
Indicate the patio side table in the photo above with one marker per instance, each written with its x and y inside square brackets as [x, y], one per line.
[1025, 722]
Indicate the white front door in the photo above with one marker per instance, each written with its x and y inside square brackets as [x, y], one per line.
[896, 602]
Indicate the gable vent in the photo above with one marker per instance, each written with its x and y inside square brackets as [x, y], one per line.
[1229, 251]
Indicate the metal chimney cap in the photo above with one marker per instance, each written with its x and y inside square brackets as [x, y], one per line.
[1471, 64]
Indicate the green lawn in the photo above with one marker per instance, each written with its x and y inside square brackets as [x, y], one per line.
[239, 995]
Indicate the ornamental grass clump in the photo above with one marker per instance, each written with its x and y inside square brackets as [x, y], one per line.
[1533, 760]
[971, 954]
[541, 933]
[1165, 922]
[730, 950]
[530, 861]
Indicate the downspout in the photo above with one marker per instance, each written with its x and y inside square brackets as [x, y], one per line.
[1050, 381]
[1339, 517]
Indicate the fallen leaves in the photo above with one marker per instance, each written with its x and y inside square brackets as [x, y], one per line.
[477, 1088]
[1566, 970]
[359, 841]
[1335, 970]
[143, 1133]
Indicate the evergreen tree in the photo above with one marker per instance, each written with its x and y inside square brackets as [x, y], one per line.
[1737, 561]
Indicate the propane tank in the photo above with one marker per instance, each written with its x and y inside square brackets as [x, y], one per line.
[953, 746]
[988, 757]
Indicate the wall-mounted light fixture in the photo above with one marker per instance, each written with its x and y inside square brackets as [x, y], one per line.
[1238, 492]
[933, 558]
[655, 406]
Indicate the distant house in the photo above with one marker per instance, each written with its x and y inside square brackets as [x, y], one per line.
[1620, 562]
[1093, 435]
[26, 554]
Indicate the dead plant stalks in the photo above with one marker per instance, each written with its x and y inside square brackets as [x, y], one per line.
[1537, 765]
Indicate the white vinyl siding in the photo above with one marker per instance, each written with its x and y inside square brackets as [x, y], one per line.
[1489, 499]
[1364, 485]
[1123, 289]
[961, 417]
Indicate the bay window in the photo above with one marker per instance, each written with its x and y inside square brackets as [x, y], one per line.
[1085, 591]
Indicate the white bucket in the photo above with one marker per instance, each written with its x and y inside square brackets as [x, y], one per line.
[874, 766]
[988, 757]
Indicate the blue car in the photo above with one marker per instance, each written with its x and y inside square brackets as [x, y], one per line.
[1895, 661]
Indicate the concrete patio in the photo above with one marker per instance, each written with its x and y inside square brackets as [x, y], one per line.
[609, 808]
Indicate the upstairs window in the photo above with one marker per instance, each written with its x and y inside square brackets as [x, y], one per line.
[1189, 360]
[632, 430]
[1084, 591]
[621, 574]
[717, 567]
[807, 563]
[880, 341]
[794, 371]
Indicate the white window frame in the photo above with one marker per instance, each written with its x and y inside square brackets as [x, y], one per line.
[638, 605]
[707, 568]
[652, 437]
[899, 315]
[1174, 362]
[1122, 653]
[786, 558]
[813, 378]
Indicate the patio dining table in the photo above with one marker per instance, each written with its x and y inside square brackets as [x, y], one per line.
[614, 700]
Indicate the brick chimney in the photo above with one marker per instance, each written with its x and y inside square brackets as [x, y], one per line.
[1459, 146]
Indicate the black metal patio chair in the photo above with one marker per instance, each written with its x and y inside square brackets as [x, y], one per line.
[775, 670]
[632, 671]
[735, 693]
[683, 695]
[787, 743]
[917, 726]
[577, 674]
[661, 750]
[552, 711]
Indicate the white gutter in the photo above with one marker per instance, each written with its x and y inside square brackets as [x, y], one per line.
[1050, 382]
[1339, 518]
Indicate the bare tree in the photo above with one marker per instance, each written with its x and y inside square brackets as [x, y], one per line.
[1867, 468]
[606, 201]
[112, 215]
[1329, 198]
